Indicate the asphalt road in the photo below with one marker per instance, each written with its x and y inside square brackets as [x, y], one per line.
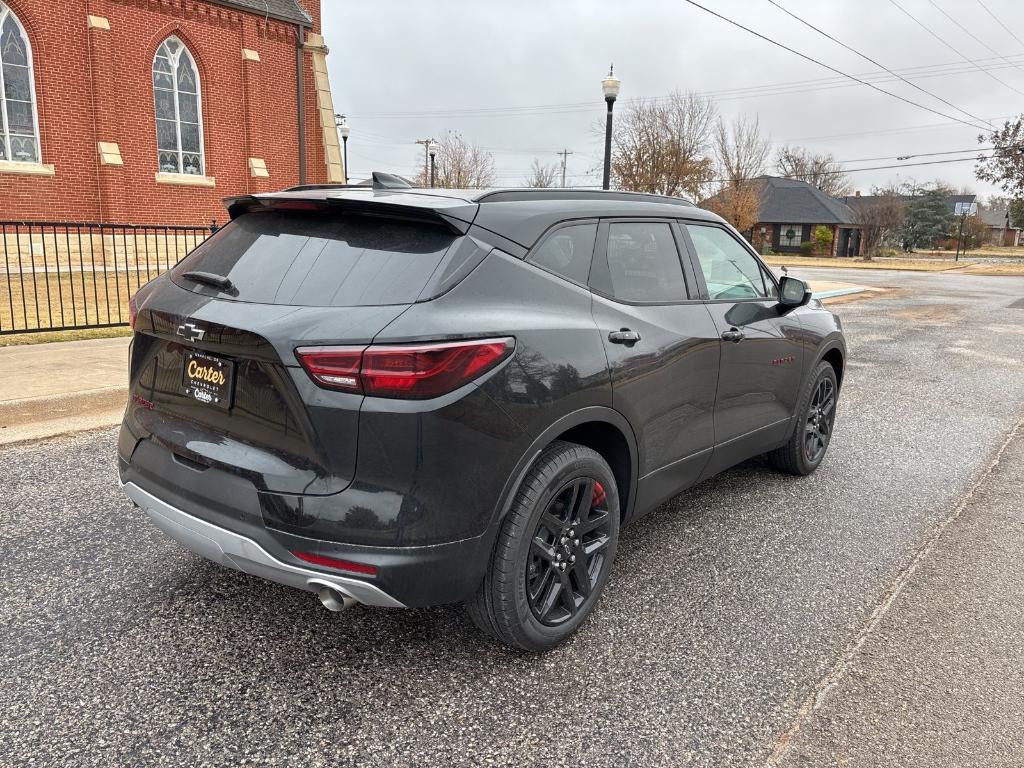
[727, 608]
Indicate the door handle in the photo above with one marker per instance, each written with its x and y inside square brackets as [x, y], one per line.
[624, 336]
[734, 335]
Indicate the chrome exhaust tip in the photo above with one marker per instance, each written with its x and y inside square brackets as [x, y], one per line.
[334, 599]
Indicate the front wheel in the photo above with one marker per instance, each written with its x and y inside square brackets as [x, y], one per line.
[813, 433]
[554, 551]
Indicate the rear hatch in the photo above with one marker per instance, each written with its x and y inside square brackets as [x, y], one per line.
[214, 378]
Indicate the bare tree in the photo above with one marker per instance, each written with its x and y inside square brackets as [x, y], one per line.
[742, 153]
[1004, 164]
[817, 168]
[741, 150]
[880, 217]
[739, 204]
[459, 165]
[542, 175]
[665, 146]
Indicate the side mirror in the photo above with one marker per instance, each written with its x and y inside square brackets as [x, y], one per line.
[793, 292]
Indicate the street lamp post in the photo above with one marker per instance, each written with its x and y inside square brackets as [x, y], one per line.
[432, 148]
[610, 86]
[343, 130]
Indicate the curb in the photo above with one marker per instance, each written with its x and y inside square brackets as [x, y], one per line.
[36, 418]
[837, 292]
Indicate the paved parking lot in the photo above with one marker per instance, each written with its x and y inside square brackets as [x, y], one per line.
[728, 607]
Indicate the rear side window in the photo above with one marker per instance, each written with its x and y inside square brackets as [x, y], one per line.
[320, 259]
[567, 252]
[644, 264]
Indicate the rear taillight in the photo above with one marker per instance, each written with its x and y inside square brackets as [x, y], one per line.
[333, 367]
[412, 372]
[336, 564]
[133, 310]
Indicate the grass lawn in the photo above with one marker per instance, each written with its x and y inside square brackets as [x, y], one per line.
[33, 300]
[907, 264]
[1011, 269]
[987, 251]
[45, 337]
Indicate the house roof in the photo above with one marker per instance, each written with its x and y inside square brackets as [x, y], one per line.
[788, 201]
[993, 215]
[282, 10]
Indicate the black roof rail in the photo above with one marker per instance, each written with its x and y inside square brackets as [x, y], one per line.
[521, 195]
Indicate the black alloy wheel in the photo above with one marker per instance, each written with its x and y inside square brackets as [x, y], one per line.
[821, 413]
[554, 552]
[812, 435]
[568, 550]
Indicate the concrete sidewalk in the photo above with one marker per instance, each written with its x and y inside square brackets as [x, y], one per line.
[50, 389]
[937, 678]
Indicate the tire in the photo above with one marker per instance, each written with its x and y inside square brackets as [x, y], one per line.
[796, 456]
[557, 514]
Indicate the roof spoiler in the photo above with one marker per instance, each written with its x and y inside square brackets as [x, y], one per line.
[243, 204]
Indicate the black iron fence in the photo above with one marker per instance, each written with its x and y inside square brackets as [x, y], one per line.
[63, 276]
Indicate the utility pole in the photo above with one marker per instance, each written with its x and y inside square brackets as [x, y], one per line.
[565, 156]
[426, 157]
[960, 235]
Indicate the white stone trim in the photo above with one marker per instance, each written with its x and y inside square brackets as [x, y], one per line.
[110, 153]
[258, 168]
[27, 169]
[185, 180]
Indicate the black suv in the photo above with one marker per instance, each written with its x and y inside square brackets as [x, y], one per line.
[405, 397]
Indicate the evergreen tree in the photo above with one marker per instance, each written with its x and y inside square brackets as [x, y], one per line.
[929, 216]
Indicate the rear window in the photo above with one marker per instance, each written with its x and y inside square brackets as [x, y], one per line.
[319, 260]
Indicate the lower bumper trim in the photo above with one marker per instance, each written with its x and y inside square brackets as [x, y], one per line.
[241, 553]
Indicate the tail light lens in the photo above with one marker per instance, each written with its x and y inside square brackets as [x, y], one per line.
[333, 367]
[414, 372]
[133, 310]
[336, 564]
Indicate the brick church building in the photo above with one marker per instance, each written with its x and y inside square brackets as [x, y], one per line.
[152, 111]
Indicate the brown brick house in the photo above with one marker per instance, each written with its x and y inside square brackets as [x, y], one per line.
[152, 111]
[789, 212]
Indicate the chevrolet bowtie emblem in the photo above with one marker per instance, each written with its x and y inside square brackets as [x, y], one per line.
[191, 332]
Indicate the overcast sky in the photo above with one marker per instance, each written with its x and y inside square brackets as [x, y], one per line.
[523, 79]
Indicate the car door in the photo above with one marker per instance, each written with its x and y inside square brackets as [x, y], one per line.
[662, 348]
[762, 356]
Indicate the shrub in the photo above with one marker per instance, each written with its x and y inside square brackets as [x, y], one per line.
[806, 248]
[822, 238]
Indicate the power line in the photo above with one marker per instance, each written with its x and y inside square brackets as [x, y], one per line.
[858, 134]
[878, 167]
[826, 66]
[771, 89]
[876, 63]
[927, 29]
[968, 32]
[1000, 23]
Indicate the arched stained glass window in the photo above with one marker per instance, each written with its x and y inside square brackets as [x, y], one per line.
[19, 132]
[179, 111]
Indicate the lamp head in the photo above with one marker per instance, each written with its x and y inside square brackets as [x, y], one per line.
[610, 85]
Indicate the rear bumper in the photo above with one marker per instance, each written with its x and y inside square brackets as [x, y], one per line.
[243, 554]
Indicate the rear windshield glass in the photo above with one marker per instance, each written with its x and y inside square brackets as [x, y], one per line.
[318, 259]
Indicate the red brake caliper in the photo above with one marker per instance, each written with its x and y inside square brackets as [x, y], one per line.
[599, 496]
